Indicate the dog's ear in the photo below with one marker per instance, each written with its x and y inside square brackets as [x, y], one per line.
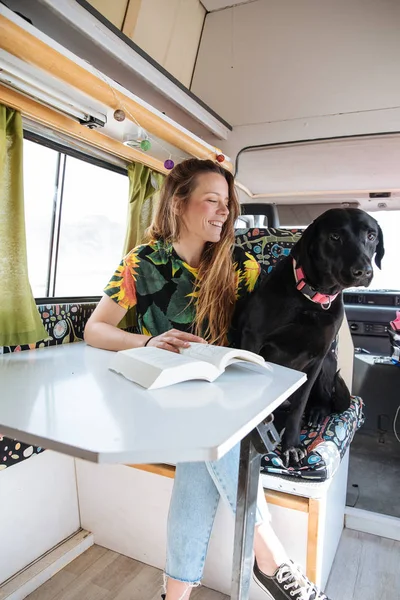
[380, 249]
[303, 249]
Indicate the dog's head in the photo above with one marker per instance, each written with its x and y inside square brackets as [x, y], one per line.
[336, 250]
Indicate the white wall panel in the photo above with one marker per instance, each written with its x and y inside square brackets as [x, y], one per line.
[39, 509]
[289, 70]
[113, 11]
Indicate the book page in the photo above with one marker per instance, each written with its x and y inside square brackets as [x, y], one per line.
[153, 367]
[162, 359]
[206, 352]
[220, 356]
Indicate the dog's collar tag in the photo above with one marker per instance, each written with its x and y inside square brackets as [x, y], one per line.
[323, 299]
[327, 305]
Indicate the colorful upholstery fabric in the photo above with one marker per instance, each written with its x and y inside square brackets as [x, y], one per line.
[13, 452]
[268, 246]
[64, 323]
[326, 447]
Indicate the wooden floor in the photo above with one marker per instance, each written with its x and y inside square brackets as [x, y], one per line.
[100, 574]
[365, 568]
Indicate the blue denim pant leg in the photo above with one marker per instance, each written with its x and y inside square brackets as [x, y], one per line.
[197, 489]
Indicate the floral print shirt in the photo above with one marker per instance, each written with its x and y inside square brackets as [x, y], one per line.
[161, 286]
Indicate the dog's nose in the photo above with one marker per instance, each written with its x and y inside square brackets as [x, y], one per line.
[359, 273]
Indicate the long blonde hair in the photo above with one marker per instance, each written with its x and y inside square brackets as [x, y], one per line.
[216, 280]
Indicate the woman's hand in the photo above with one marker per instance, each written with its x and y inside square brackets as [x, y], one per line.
[174, 339]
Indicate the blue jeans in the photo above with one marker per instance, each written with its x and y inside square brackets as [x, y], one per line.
[197, 489]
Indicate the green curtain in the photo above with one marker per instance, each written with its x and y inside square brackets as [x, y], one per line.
[144, 186]
[20, 322]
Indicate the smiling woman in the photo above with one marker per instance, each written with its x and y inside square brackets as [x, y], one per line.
[185, 284]
[192, 238]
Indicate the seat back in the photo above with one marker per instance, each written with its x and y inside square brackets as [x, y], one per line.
[267, 245]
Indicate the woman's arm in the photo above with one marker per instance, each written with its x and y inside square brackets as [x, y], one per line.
[101, 331]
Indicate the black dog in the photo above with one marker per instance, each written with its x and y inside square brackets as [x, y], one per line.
[295, 314]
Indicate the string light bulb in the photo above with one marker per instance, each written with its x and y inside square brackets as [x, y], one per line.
[169, 164]
[145, 145]
[119, 115]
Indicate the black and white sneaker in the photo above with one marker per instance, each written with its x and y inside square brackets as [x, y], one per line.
[287, 583]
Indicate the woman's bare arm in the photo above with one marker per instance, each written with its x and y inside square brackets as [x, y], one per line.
[101, 331]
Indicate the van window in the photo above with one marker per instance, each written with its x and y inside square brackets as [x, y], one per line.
[76, 256]
[93, 225]
[389, 277]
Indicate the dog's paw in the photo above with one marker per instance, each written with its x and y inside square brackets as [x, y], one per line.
[293, 456]
[317, 415]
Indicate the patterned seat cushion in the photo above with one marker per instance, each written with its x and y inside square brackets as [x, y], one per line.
[326, 446]
[64, 324]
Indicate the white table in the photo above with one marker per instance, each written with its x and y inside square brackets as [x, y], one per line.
[65, 399]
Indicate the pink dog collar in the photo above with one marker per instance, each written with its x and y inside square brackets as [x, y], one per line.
[308, 291]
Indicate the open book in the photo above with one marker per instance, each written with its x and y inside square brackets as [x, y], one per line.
[155, 368]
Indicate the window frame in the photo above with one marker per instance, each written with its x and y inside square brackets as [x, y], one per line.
[55, 227]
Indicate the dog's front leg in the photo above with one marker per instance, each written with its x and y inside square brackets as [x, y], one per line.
[292, 452]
